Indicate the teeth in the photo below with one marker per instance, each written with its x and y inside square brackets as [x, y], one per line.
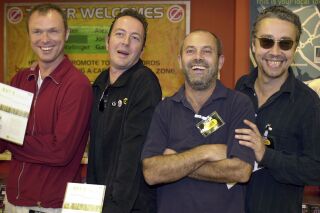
[274, 63]
[198, 67]
[46, 48]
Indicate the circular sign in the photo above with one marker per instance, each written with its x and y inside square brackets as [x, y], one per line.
[175, 13]
[14, 15]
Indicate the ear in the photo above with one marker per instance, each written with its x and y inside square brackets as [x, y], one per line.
[221, 62]
[67, 35]
[296, 44]
[107, 38]
[142, 51]
[253, 46]
[180, 61]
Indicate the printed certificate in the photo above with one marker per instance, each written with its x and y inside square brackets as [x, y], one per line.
[15, 107]
[85, 198]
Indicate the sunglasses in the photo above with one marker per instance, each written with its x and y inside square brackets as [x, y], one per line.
[267, 43]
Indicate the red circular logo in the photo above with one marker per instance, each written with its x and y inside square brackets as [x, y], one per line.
[175, 13]
[14, 15]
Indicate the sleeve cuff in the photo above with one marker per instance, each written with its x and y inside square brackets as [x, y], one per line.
[268, 157]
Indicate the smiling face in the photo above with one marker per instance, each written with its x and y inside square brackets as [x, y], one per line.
[273, 63]
[125, 43]
[200, 61]
[47, 35]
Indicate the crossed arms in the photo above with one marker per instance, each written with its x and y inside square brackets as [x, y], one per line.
[206, 162]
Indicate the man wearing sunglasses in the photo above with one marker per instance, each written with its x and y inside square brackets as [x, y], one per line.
[125, 96]
[286, 138]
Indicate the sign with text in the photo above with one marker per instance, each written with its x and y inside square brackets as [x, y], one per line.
[89, 22]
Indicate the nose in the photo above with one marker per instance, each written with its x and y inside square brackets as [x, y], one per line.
[199, 54]
[126, 40]
[275, 50]
[45, 37]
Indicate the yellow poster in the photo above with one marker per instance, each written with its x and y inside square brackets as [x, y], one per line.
[168, 22]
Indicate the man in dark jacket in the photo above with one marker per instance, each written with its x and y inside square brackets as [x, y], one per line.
[125, 96]
[286, 138]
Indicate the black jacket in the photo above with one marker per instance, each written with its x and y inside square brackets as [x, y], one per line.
[292, 160]
[118, 132]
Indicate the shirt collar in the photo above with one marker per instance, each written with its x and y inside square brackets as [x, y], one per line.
[219, 92]
[287, 87]
[123, 78]
[57, 74]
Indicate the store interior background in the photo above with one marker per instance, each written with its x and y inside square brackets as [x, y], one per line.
[229, 19]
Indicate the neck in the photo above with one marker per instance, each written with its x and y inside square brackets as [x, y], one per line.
[47, 68]
[197, 98]
[116, 71]
[114, 74]
[265, 86]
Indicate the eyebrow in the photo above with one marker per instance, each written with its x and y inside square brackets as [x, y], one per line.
[40, 28]
[121, 29]
[271, 36]
[203, 47]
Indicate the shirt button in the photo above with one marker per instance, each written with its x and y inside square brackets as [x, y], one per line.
[255, 115]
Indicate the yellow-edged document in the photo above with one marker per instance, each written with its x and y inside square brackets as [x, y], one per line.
[15, 107]
[84, 198]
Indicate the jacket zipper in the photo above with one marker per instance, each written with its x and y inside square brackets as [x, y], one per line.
[18, 193]
[33, 127]
[34, 110]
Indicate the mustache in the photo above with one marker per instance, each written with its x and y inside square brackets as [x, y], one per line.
[275, 57]
[198, 62]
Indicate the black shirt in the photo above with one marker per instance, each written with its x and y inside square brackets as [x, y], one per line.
[293, 159]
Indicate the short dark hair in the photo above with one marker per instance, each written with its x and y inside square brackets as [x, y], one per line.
[132, 13]
[218, 41]
[279, 12]
[43, 9]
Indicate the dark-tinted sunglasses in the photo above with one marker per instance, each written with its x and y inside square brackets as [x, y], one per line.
[267, 43]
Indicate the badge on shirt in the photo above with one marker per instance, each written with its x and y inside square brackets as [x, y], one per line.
[267, 138]
[211, 124]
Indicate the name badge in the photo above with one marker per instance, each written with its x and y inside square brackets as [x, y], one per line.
[211, 124]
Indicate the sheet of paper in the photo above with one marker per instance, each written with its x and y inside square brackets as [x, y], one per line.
[15, 107]
[86, 198]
